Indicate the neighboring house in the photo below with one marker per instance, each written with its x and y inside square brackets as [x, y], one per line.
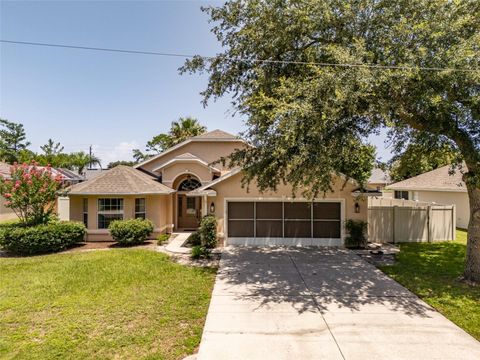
[437, 186]
[177, 187]
[379, 179]
[69, 177]
[5, 213]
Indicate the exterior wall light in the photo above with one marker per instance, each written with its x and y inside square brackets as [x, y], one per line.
[212, 208]
[357, 207]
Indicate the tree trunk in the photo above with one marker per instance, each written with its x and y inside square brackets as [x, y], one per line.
[472, 261]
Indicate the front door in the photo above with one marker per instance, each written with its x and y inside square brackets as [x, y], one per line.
[188, 209]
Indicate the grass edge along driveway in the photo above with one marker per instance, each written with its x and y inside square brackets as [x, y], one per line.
[432, 270]
[102, 304]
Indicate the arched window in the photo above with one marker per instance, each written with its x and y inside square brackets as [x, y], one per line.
[189, 184]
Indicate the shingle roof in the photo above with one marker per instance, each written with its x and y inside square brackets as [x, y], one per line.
[215, 134]
[379, 177]
[186, 157]
[70, 175]
[207, 186]
[93, 173]
[121, 180]
[435, 180]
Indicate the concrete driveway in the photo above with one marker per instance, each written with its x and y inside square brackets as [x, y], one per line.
[321, 304]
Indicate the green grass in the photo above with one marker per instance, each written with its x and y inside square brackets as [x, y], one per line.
[120, 304]
[432, 271]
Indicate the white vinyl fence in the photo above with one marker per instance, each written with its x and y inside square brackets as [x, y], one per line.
[393, 220]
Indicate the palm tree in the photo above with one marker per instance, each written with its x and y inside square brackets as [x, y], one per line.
[181, 130]
[80, 160]
[184, 128]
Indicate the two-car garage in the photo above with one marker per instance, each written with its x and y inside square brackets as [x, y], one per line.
[279, 222]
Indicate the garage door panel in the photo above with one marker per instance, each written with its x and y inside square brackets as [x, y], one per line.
[326, 210]
[298, 210]
[326, 229]
[277, 219]
[269, 210]
[298, 229]
[240, 210]
[269, 228]
[241, 228]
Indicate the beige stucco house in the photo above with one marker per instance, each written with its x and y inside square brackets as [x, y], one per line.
[177, 187]
[437, 186]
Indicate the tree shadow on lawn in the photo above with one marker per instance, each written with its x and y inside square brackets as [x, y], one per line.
[312, 279]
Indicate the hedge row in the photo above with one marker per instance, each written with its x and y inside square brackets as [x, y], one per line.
[40, 239]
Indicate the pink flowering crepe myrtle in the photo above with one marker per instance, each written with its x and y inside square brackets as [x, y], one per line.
[31, 191]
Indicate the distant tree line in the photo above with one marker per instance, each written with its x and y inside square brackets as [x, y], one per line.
[14, 147]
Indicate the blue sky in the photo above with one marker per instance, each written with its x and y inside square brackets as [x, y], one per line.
[112, 101]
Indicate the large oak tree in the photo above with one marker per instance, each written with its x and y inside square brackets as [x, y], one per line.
[412, 67]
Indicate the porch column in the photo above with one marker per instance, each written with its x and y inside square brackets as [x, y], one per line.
[171, 205]
[204, 205]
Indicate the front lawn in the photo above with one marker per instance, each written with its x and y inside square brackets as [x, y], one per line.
[102, 304]
[432, 271]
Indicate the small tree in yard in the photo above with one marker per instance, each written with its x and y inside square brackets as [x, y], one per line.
[30, 192]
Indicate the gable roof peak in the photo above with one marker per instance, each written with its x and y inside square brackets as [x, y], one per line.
[215, 134]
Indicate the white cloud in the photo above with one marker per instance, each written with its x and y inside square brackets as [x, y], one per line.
[122, 151]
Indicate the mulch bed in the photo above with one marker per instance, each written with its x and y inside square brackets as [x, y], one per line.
[98, 245]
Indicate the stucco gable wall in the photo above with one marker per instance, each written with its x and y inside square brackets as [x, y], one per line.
[208, 151]
[231, 188]
[202, 172]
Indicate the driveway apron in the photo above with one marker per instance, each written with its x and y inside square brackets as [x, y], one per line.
[300, 303]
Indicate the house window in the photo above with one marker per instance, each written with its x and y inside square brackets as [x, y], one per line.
[85, 212]
[189, 184]
[108, 210]
[140, 208]
[191, 205]
[401, 195]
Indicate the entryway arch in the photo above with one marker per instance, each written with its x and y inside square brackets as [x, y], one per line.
[188, 209]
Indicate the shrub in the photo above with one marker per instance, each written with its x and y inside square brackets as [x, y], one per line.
[208, 232]
[194, 239]
[130, 232]
[206, 238]
[163, 238]
[199, 252]
[52, 237]
[357, 230]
